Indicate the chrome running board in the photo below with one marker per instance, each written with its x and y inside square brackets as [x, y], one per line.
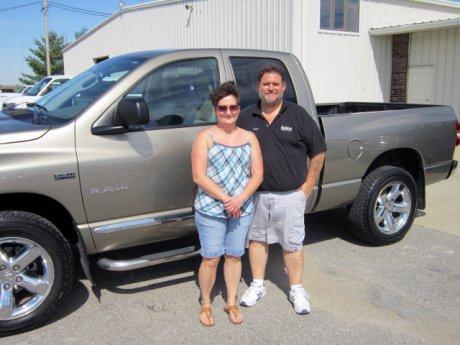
[147, 260]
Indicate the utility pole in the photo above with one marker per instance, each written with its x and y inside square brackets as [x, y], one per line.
[47, 40]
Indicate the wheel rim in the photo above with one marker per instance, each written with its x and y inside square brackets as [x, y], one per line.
[392, 208]
[26, 277]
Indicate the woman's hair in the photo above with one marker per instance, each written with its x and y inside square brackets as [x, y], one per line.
[226, 89]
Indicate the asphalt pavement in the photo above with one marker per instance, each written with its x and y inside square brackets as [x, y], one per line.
[405, 293]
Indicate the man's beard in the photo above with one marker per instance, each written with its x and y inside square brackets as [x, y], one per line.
[271, 103]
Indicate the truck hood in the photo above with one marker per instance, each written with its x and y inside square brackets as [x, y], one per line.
[21, 99]
[14, 131]
[9, 95]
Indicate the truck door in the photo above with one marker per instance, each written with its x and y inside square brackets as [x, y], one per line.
[137, 185]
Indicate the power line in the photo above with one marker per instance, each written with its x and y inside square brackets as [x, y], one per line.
[15, 7]
[78, 10]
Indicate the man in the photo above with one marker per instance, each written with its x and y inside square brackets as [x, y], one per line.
[287, 135]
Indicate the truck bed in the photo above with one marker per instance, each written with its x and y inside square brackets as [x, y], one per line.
[330, 109]
[358, 133]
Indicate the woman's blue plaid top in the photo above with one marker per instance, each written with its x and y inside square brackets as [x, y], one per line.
[230, 168]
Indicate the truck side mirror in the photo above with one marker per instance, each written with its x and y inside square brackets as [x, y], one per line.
[131, 112]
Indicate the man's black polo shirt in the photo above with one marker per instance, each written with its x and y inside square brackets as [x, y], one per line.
[285, 144]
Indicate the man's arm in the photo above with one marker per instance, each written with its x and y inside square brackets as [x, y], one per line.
[314, 170]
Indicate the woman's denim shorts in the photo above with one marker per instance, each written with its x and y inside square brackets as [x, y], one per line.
[219, 236]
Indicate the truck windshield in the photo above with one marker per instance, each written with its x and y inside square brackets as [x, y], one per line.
[69, 99]
[34, 90]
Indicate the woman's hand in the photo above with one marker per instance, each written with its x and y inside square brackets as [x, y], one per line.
[237, 214]
[234, 204]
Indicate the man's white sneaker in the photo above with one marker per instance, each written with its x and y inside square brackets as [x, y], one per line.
[299, 299]
[252, 295]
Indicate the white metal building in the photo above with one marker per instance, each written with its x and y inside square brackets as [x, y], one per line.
[352, 50]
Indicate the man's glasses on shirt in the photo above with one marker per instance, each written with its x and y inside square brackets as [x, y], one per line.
[224, 108]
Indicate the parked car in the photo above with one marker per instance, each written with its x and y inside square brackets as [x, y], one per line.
[33, 93]
[103, 164]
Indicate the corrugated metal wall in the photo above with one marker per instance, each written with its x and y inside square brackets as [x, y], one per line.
[355, 66]
[343, 66]
[441, 50]
[254, 24]
[340, 66]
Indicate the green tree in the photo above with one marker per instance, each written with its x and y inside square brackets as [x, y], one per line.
[37, 59]
[80, 32]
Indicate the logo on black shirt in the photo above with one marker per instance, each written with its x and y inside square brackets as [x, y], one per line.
[286, 128]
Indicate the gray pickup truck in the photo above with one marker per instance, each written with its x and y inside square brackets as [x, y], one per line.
[102, 164]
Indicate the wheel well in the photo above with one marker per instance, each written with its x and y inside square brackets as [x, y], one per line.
[409, 160]
[45, 207]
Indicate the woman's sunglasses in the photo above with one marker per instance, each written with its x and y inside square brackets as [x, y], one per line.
[224, 108]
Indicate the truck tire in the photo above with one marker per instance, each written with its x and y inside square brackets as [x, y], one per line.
[36, 270]
[384, 209]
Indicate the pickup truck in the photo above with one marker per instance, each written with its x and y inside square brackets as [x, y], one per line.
[33, 93]
[9, 93]
[102, 164]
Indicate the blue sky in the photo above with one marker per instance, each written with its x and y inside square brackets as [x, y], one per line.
[19, 26]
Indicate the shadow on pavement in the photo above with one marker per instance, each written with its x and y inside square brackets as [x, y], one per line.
[327, 225]
[321, 226]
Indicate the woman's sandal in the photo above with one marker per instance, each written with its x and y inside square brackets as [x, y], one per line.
[234, 314]
[206, 317]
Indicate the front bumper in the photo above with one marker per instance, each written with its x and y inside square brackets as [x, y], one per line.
[453, 168]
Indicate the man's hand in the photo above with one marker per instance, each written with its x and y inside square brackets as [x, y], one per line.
[314, 170]
[306, 189]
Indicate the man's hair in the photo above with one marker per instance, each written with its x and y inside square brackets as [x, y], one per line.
[226, 89]
[271, 68]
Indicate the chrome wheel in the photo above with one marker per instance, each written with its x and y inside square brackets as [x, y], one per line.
[392, 208]
[26, 277]
[384, 209]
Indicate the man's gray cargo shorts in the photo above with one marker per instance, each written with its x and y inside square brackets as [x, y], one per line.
[279, 218]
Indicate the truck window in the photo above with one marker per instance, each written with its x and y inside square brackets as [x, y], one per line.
[246, 69]
[177, 94]
[34, 90]
[74, 95]
[55, 83]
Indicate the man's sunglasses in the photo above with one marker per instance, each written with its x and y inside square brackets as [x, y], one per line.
[224, 108]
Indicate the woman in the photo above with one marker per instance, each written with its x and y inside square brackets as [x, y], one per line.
[227, 166]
